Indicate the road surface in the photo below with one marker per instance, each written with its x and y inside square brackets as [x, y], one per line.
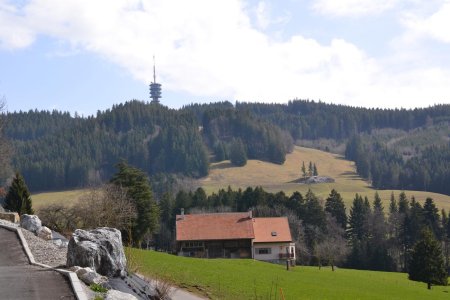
[20, 280]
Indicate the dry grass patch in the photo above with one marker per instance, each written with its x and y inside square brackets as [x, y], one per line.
[274, 178]
[64, 197]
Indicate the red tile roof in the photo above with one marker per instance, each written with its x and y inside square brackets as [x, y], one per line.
[268, 230]
[230, 226]
[217, 226]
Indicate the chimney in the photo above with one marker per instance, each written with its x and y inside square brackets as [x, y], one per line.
[250, 214]
[182, 214]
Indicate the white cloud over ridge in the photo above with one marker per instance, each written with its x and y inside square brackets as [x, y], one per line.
[210, 49]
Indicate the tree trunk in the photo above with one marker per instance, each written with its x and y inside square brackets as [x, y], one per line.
[429, 285]
[332, 267]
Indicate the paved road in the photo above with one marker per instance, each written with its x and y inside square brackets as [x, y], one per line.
[20, 280]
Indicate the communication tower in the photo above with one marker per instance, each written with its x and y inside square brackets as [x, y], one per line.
[155, 88]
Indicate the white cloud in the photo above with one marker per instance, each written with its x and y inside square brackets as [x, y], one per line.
[13, 30]
[210, 49]
[435, 25]
[352, 8]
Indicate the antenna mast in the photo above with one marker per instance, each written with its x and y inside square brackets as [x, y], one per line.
[155, 88]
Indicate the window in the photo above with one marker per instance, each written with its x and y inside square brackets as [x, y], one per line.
[263, 250]
[193, 244]
[274, 233]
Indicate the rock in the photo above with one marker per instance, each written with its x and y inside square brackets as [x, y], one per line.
[75, 269]
[91, 277]
[318, 179]
[117, 295]
[12, 217]
[30, 222]
[45, 233]
[60, 243]
[88, 276]
[100, 249]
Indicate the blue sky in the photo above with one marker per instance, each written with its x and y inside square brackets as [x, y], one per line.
[86, 55]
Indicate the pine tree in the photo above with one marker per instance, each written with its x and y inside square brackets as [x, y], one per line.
[315, 172]
[393, 208]
[18, 198]
[335, 206]
[431, 216]
[238, 155]
[139, 190]
[310, 169]
[427, 263]
[303, 169]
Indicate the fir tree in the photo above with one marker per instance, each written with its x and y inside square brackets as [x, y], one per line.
[238, 155]
[139, 190]
[315, 172]
[310, 169]
[303, 169]
[427, 263]
[335, 206]
[18, 198]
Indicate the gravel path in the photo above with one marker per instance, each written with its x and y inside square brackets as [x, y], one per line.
[44, 252]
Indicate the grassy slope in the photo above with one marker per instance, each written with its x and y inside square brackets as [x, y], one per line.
[276, 178]
[66, 197]
[243, 278]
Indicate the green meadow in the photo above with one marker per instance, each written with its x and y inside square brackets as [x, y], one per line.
[250, 279]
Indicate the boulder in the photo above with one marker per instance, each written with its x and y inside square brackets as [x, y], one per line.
[118, 295]
[30, 222]
[60, 243]
[44, 233]
[100, 249]
[12, 217]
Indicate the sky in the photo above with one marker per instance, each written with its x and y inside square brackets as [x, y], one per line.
[87, 55]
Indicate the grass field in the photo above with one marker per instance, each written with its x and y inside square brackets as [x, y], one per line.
[66, 197]
[249, 279]
[276, 178]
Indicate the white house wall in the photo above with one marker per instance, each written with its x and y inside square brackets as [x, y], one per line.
[276, 250]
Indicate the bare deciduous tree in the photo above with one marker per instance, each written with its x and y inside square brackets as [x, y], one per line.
[333, 248]
[107, 206]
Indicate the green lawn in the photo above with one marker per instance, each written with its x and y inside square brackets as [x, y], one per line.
[249, 279]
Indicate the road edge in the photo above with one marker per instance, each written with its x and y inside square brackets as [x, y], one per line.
[73, 278]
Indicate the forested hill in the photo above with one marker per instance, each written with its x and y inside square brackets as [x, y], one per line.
[313, 120]
[54, 150]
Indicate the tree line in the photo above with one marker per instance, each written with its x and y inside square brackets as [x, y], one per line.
[387, 169]
[369, 236]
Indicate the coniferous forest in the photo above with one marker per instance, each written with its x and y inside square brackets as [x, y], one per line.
[54, 150]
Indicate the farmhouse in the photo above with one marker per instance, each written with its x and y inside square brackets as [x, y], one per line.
[234, 235]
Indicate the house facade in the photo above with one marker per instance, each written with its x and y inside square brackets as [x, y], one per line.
[234, 235]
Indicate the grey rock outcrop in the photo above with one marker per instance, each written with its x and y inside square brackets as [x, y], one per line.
[44, 233]
[117, 295]
[89, 276]
[30, 222]
[319, 179]
[99, 249]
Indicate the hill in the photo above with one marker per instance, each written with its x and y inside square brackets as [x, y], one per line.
[57, 151]
[250, 279]
[274, 178]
